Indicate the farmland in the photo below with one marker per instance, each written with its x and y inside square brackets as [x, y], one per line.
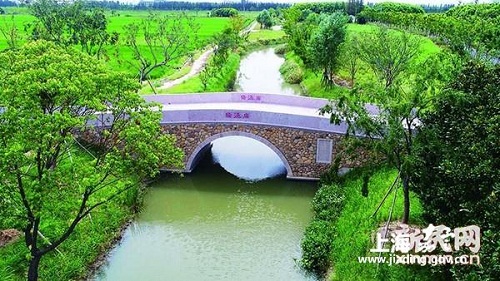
[120, 57]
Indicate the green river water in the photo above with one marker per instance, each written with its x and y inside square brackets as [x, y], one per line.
[234, 218]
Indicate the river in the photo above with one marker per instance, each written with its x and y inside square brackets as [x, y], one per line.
[235, 217]
[259, 73]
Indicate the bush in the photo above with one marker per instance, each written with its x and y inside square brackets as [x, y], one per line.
[316, 246]
[224, 12]
[317, 243]
[361, 18]
[292, 73]
[281, 49]
[328, 202]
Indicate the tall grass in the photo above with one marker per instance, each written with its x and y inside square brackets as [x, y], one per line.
[93, 235]
[355, 228]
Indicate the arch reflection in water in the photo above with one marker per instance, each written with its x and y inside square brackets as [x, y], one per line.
[247, 158]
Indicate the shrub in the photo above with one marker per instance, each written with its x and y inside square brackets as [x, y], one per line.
[292, 73]
[328, 202]
[317, 243]
[224, 12]
[281, 49]
[316, 246]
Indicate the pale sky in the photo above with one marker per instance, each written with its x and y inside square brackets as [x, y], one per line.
[435, 2]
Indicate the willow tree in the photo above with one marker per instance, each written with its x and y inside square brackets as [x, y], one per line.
[49, 97]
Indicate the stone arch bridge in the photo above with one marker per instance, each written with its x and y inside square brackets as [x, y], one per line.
[290, 125]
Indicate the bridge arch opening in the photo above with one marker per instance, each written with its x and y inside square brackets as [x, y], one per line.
[262, 144]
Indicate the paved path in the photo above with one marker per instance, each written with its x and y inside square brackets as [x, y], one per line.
[196, 67]
[199, 63]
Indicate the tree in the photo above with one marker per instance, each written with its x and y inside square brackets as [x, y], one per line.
[389, 54]
[325, 44]
[223, 43]
[458, 166]
[350, 57]
[2, 11]
[387, 127]
[299, 29]
[51, 97]
[70, 24]
[265, 19]
[166, 39]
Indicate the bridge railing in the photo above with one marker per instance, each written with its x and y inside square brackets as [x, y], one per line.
[236, 97]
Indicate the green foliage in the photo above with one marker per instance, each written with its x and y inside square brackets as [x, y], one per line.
[491, 11]
[115, 53]
[281, 49]
[353, 7]
[321, 8]
[291, 72]
[167, 39]
[328, 202]
[463, 30]
[265, 19]
[224, 12]
[316, 246]
[63, 90]
[324, 45]
[459, 169]
[299, 31]
[388, 54]
[70, 24]
[398, 8]
[220, 82]
[356, 225]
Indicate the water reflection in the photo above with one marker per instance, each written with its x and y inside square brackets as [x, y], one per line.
[246, 158]
[259, 73]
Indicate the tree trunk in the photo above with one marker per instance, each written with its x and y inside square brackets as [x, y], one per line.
[406, 203]
[33, 269]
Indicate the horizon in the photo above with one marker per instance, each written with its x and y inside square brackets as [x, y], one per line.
[417, 2]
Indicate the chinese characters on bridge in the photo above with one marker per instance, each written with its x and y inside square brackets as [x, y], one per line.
[238, 115]
[250, 97]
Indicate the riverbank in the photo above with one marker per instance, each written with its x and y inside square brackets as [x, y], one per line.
[225, 78]
[364, 77]
[92, 238]
[344, 227]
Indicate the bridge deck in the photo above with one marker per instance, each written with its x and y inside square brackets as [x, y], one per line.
[244, 108]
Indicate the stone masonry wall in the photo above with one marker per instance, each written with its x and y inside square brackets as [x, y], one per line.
[297, 145]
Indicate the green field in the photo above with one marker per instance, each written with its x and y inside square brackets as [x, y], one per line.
[117, 22]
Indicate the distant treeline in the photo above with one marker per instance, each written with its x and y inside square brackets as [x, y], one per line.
[428, 8]
[206, 6]
[173, 5]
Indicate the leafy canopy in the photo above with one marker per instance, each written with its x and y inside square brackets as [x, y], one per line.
[50, 97]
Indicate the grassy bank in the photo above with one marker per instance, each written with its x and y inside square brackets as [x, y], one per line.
[225, 78]
[311, 82]
[221, 82]
[343, 228]
[94, 235]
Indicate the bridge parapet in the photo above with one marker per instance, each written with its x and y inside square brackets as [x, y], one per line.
[230, 97]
